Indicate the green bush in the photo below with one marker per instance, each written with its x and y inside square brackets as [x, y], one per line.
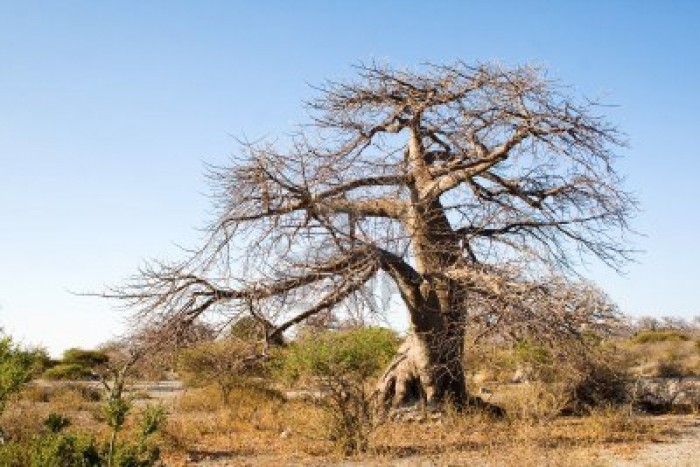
[68, 450]
[87, 358]
[56, 422]
[52, 450]
[359, 353]
[341, 364]
[77, 364]
[69, 371]
[17, 367]
[131, 455]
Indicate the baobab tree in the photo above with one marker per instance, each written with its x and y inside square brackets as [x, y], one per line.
[477, 190]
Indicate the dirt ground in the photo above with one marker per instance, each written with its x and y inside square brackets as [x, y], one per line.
[684, 451]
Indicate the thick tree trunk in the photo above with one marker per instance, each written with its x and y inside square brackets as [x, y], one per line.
[427, 371]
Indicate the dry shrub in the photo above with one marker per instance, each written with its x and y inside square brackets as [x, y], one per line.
[536, 401]
[661, 354]
[669, 369]
[253, 410]
[652, 336]
[564, 377]
[205, 399]
[38, 393]
[598, 381]
[615, 424]
[228, 363]
[61, 391]
[73, 397]
[23, 420]
[476, 439]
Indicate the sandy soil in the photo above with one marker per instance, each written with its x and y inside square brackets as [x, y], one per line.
[683, 451]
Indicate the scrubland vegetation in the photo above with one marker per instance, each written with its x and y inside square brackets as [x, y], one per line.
[311, 402]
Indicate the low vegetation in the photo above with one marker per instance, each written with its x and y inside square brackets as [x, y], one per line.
[342, 365]
[310, 403]
[77, 364]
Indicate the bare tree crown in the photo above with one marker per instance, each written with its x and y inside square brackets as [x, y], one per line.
[490, 179]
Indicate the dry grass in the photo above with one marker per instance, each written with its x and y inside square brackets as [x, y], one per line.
[662, 357]
[261, 429]
[80, 402]
[255, 422]
[25, 415]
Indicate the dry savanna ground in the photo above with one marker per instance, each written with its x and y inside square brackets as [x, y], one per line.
[264, 428]
[270, 420]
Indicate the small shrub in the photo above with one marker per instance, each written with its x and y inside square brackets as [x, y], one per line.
[342, 363]
[69, 371]
[152, 420]
[140, 453]
[225, 363]
[670, 369]
[131, 455]
[52, 450]
[115, 411]
[17, 367]
[538, 401]
[68, 450]
[598, 382]
[85, 358]
[38, 393]
[646, 337]
[56, 422]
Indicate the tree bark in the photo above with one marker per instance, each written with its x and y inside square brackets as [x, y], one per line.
[428, 368]
[427, 372]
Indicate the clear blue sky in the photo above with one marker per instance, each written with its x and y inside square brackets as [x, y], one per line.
[108, 111]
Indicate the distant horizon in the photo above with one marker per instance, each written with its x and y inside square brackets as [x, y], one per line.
[110, 112]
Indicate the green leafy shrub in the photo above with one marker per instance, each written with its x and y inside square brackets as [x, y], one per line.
[69, 371]
[56, 422]
[341, 364]
[152, 420]
[17, 367]
[358, 353]
[52, 450]
[77, 364]
[69, 450]
[131, 455]
[86, 358]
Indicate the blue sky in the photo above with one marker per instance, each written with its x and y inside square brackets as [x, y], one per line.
[108, 111]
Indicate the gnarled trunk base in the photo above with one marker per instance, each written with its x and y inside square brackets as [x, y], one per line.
[425, 373]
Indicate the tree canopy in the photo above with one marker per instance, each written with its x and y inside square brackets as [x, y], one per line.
[478, 189]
